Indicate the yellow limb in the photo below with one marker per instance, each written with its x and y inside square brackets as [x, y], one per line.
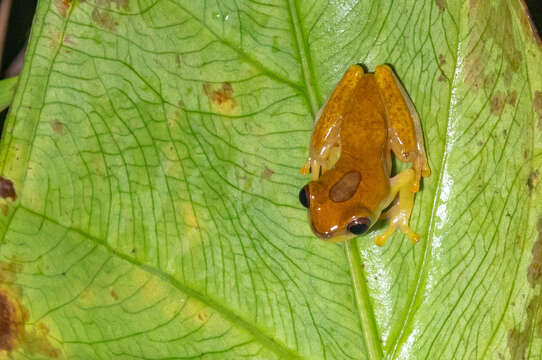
[399, 214]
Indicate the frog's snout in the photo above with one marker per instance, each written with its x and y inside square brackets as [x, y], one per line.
[324, 236]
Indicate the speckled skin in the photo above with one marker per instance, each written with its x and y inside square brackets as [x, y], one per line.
[366, 116]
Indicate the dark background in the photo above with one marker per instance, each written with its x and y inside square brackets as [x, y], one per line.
[22, 12]
[20, 21]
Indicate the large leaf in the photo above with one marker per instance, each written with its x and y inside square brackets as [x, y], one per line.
[150, 176]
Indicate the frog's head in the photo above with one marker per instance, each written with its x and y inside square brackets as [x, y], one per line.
[337, 206]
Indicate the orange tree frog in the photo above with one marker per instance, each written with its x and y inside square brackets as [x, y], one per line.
[367, 117]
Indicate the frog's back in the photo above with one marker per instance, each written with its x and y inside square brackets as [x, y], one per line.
[364, 144]
[364, 129]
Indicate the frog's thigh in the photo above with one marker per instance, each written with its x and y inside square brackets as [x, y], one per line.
[406, 135]
[399, 214]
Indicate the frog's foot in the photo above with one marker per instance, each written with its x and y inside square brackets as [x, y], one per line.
[315, 167]
[398, 220]
[399, 214]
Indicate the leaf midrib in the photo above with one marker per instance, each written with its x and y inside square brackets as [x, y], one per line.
[367, 319]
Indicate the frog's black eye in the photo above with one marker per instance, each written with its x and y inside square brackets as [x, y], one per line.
[359, 226]
[304, 197]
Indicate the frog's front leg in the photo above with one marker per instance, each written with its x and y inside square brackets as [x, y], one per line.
[399, 213]
[325, 141]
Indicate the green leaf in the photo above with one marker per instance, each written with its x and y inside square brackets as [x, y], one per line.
[150, 172]
[7, 91]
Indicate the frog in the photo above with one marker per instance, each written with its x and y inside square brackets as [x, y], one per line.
[367, 117]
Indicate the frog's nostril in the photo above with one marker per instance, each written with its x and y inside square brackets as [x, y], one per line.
[359, 226]
[304, 197]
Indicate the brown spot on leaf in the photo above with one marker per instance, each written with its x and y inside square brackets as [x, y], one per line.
[473, 71]
[9, 271]
[442, 59]
[36, 342]
[104, 19]
[442, 78]
[266, 173]
[222, 98]
[225, 93]
[490, 24]
[508, 76]
[7, 190]
[55, 40]
[14, 332]
[124, 4]
[534, 271]
[497, 103]
[201, 317]
[11, 323]
[114, 294]
[44, 328]
[511, 97]
[441, 4]
[57, 126]
[181, 103]
[489, 80]
[346, 187]
[518, 340]
[63, 6]
[533, 180]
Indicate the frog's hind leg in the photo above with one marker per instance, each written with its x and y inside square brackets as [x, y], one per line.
[406, 136]
[399, 213]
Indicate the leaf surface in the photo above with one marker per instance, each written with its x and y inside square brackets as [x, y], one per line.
[7, 91]
[150, 172]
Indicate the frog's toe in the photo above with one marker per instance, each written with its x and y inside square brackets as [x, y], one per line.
[426, 171]
[305, 169]
[315, 169]
[414, 238]
[380, 240]
[415, 187]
